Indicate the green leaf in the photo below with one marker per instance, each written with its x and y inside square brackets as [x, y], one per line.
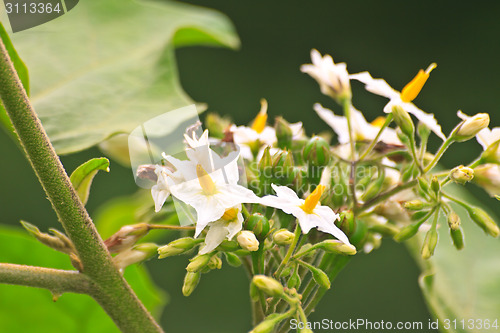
[22, 71]
[82, 177]
[25, 309]
[105, 67]
[461, 284]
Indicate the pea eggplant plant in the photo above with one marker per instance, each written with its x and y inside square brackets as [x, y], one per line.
[290, 209]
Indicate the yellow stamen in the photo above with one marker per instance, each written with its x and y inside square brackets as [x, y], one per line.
[378, 122]
[313, 199]
[259, 122]
[412, 89]
[207, 184]
[230, 214]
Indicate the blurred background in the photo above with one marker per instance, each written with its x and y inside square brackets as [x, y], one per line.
[391, 39]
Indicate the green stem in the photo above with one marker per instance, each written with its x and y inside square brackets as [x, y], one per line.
[372, 145]
[386, 195]
[113, 293]
[439, 153]
[58, 281]
[289, 253]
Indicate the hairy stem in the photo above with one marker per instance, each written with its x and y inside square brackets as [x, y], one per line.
[58, 281]
[114, 294]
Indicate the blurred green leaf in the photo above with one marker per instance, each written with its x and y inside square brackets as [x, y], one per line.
[82, 177]
[105, 67]
[461, 284]
[24, 309]
[22, 71]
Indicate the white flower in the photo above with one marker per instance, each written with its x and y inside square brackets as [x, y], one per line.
[488, 177]
[259, 135]
[210, 194]
[224, 228]
[403, 99]
[309, 212]
[333, 79]
[362, 130]
[161, 191]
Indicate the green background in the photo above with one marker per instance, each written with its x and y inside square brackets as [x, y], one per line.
[391, 39]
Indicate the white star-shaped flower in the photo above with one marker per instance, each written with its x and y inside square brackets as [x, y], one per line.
[210, 194]
[362, 129]
[333, 79]
[309, 212]
[225, 228]
[404, 98]
[161, 191]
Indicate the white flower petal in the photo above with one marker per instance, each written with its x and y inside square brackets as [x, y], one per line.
[286, 193]
[375, 86]
[217, 232]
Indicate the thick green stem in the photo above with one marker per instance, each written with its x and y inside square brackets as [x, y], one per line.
[58, 281]
[114, 294]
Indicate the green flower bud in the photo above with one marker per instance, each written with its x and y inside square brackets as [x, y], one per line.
[309, 248]
[284, 133]
[259, 224]
[461, 174]
[248, 241]
[126, 237]
[374, 187]
[266, 326]
[283, 237]
[232, 259]
[268, 285]
[294, 281]
[435, 185]
[191, 281]
[199, 262]
[317, 152]
[385, 229]
[403, 120]
[423, 131]
[414, 205]
[358, 237]
[483, 220]
[215, 263]
[471, 126]
[346, 222]
[138, 253]
[492, 153]
[286, 272]
[407, 232]
[320, 277]
[453, 221]
[335, 246]
[402, 137]
[430, 242]
[457, 236]
[217, 125]
[228, 246]
[58, 241]
[419, 215]
[177, 246]
[424, 185]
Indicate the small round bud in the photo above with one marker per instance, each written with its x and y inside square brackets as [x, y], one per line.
[215, 263]
[403, 120]
[248, 241]
[461, 174]
[435, 185]
[232, 259]
[191, 281]
[283, 237]
[414, 205]
[317, 151]
[268, 285]
[199, 262]
[259, 224]
[457, 236]
[471, 126]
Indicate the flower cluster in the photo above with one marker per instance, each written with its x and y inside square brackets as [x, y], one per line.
[292, 209]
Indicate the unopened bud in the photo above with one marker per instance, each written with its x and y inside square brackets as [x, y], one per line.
[58, 241]
[414, 205]
[228, 246]
[457, 236]
[216, 125]
[283, 237]
[346, 222]
[191, 281]
[453, 221]
[138, 253]
[317, 151]
[435, 185]
[487, 176]
[126, 237]
[267, 325]
[284, 133]
[259, 224]
[294, 281]
[232, 259]
[430, 242]
[199, 262]
[215, 263]
[471, 126]
[335, 246]
[483, 220]
[248, 241]
[407, 232]
[403, 120]
[423, 131]
[268, 285]
[461, 174]
[177, 246]
[319, 276]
